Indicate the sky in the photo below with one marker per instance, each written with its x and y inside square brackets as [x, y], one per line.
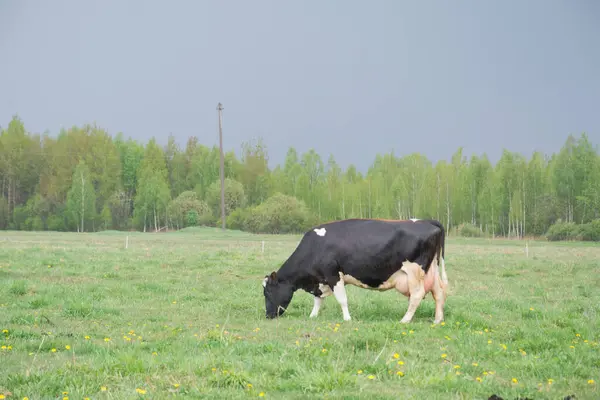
[345, 77]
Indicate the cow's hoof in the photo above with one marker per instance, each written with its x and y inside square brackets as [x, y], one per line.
[404, 321]
[312, 316]
[437, 321]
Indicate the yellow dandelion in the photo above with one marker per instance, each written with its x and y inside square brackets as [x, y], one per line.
[360, 371]
[68, 347]
[324, 350]
[411, 331]
[249, 386]
[485, 372]
[591, 382]
[523, 352]
[371, 377]
[261, 394]
[400, 362]
[103, 388]
[443, 323]
[176, 385]
[457, 367]
[396, 355]
[2, 396]
[578, 335]
[154, 353]
[572, 346]
[530, 308]
[53, 350]
[213, 369]
[475, 364]
[404, 333]
[457, 372]
[87, 337]
[503, 346]
[5, 331]
[400, 373]
[444, 355]
[106, 339]
[550, 381]
[140, 391]
[65, 398]
[478, 379]
[447, 337]
[174, 302]
[3, 347]
[25, 398]
[65, 393]
[490, 341]
[515, 380]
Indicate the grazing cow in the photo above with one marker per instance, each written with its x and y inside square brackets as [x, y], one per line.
[368, 253]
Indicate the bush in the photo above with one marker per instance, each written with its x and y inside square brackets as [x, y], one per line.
[469, 230]
[56, 223]
[187, 210]
[235, 197]
[278, 214]
[572, 231]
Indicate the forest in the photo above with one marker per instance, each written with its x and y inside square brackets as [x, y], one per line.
[86, 180]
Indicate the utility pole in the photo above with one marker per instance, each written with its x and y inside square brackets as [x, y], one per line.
[220, 110]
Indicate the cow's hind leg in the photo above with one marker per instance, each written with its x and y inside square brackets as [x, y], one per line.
[416, 287]
[339, 291]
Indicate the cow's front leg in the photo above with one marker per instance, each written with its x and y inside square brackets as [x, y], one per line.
[416, 287]
[339, 291]
[316, 306]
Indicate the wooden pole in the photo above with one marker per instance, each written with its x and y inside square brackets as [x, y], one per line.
[222, 167]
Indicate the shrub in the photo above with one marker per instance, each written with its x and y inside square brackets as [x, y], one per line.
[188, 210]
[469, 230]
[279, 214]
[562, 231]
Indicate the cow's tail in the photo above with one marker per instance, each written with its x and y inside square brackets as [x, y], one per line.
[441, 253]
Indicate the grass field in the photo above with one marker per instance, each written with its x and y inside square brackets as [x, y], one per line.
[182, 314]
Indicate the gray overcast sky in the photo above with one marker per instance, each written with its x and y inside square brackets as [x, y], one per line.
[352, 78]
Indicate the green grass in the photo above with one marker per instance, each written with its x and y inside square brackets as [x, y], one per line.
[184, 313]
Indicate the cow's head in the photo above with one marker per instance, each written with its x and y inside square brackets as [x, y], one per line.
[278, 295]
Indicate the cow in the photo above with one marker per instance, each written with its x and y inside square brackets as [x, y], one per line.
[369, 253]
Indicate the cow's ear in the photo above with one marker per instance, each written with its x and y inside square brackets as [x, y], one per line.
[273, 275]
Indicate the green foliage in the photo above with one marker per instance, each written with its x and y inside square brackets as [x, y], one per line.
[81, 199]
[468, 230]
[279, 214]
[572, 231]
[188, 210]
[137, 184]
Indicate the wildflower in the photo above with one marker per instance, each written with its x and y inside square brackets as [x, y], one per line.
[140, 391]
[400, 373]
[515, 380]
[65, 398]
[396, 355]
[503, 346]
[106, 339]
[261, 394]
[475, 364]
[489, 342]
[103, 388]
[359, 371]
[404, 333]
[68, 347]
[447, 337]
[444, 355]
[324, 350]
[550, 381]
[174, 302]
[457, 372]
[578, 335]
[591, 382]
[530, 308]
[65, 393]
[371, 377]
[2, 396]
[478, 379]
[457, 367]
[3, 347]
[485, 372]
[53, 350]
[249, 386]
[213, 369]
[176, 385]
[400, 362]
[523, 352]
[87, 337]
[25, 398]
[5, 331]
[572, 346]
[411, 331]
[154, 353]
[443, 323]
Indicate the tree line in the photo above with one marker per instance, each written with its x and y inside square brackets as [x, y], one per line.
[85, 180]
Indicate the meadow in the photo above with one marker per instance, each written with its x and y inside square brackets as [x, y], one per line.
[181, 314]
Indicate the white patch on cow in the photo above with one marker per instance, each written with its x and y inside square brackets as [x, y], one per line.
[325, 290]
[265, 282]
[320, 231]
[316, 307]
[397, 280]
[414, 219]
[339, 291]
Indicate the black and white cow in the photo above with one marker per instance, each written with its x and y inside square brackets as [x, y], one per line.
[368, 253]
